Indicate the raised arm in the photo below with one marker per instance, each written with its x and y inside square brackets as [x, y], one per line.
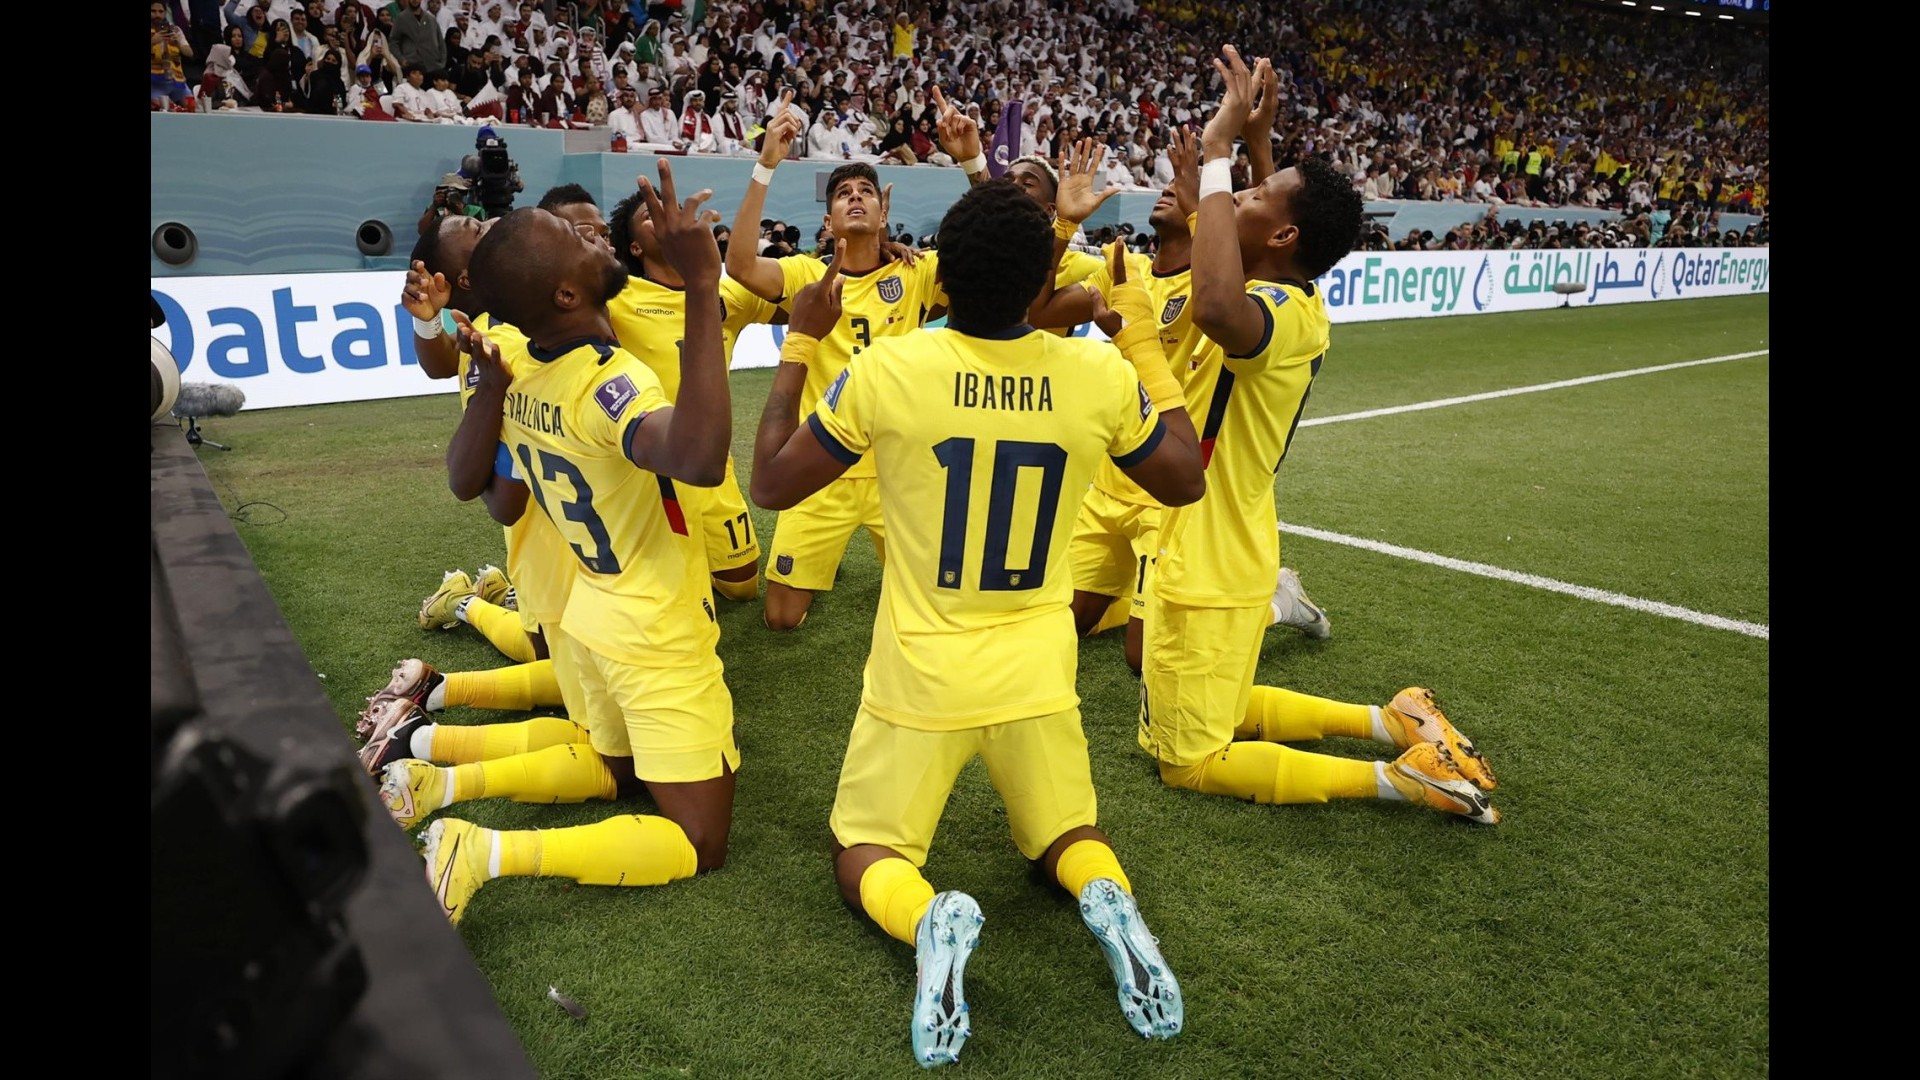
[474, 466]
[745, 264]
[689, 440]
[790, 464]
[1174, 471]
[1221, 307]
[424, 296]
[960, 137]
[1258, 132]
[1073, 203]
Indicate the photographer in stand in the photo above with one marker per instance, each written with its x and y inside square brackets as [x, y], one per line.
[449, 197]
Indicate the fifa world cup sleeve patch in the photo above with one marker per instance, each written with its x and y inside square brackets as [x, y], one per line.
[615, 395]
[1272, 292]
[473, 376]
[1146, 403]
[833, 392]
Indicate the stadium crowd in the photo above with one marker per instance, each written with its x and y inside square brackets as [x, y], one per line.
[1501, 102]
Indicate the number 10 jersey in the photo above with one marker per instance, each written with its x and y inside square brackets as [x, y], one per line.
[984, 449]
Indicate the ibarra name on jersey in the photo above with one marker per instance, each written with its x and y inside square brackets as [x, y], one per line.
[532, 412]
[1014, 393]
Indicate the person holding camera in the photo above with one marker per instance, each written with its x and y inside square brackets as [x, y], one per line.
[166, 45]
[449, 199]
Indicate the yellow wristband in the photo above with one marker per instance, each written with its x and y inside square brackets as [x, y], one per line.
[1140, 344]
[799, 349]
[1065, 229]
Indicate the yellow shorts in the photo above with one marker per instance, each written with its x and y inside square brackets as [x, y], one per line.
[895, 781]
[1196, 675]
[810, 539]
[1115, 544]
[724, 522]
[676, 723]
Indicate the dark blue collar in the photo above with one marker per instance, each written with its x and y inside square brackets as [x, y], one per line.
[548, 356]
[1008, 334]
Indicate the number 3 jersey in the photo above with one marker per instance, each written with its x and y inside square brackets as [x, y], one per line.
[641, 593]
[984, 448]
[890, 301]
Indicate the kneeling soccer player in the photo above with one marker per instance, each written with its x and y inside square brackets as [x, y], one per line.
[982, 435]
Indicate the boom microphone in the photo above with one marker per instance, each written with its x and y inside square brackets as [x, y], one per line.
[208, 399]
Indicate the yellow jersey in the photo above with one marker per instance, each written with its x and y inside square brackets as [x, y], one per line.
[640, 592]
[1171, 296]
[1076, 267]
[983, 447]
[650, 319]
[890, 300]
[1223, 550]
[538, 562]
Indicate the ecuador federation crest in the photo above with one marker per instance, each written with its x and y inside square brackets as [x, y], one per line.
[1173, 309]
[891, 289]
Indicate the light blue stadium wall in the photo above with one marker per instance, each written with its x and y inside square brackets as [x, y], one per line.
[276, 194]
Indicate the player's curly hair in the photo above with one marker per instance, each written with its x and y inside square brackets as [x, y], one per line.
[620, 232]
[996, 249]
[566, 195]
[1327, 211]
[853, 170]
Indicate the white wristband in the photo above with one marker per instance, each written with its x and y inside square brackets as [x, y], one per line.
[975, 165]
[429, 328]
[1216, 176]
[762, 174]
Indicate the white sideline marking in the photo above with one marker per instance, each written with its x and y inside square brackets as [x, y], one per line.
[1441, 403]
[1652, 607]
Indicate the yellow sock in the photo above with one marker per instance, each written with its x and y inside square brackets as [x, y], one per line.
[1088, 860]
[738, 590]
[502, 627]
[459, 744]
[895, 895]
[1276, 715]
[519, 852]
[1117, 614]
[559, 774]
[632, 849]
[496, 688]
[1269, 773]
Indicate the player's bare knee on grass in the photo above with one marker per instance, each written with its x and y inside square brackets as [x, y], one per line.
[704, 811]
[786, 607]
[1087, 610]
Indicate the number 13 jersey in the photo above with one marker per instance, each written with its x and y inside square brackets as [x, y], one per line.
[984, 449]
[641, 596]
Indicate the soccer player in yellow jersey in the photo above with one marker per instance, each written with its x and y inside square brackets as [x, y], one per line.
[882, 298]
[438, 291]
[981, 435]
[647, 317]
[602, 453]
[1116, 538]
[1255, 256]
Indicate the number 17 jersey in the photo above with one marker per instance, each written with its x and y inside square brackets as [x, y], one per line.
[984, 449]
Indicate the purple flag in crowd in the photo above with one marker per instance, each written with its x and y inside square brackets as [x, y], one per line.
[1006, 141]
